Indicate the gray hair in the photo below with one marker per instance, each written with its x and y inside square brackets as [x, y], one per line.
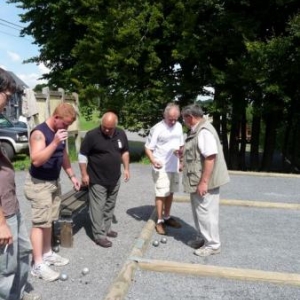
[192, 110]
[170, 106]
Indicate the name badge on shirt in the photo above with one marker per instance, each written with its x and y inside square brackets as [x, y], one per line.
[119, 144]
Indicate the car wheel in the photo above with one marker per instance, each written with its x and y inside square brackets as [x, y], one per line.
[7, 150]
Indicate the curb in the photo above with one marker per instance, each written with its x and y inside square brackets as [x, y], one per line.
[121, 284]
[247, 203]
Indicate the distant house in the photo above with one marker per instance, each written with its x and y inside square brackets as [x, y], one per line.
[14, 107]
[21, 85]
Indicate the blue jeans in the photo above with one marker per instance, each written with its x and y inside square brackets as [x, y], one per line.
[14, 264]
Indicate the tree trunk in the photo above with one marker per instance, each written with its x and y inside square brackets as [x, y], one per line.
[254, 153]
[270, 140]
[242, 152]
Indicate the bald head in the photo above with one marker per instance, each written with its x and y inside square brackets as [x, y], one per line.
[109, 123]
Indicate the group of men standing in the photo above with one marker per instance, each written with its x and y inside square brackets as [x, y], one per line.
[201, 159]
[103, 151]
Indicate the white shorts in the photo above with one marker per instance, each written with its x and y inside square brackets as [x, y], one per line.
[165, 183]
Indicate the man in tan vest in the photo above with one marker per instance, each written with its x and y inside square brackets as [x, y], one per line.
[204, 171]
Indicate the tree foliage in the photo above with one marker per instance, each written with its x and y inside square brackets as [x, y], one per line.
[135, 56]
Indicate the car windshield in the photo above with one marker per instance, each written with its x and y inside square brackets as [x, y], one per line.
[5, 123]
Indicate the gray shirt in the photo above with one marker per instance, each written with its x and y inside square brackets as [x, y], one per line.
[8, 197]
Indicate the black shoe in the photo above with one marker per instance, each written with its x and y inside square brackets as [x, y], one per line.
[112, 234]
[172, 223]
[105, 243]
[196, 244]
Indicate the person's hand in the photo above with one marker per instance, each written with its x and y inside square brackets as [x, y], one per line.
[180, 166]
[85, 180]
[178, 153]
[60, 136]
[126, 175]
[76, 183]
[202, 189]
[157, 164]
[5, 234]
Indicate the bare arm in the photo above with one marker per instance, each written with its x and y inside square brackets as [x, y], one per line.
[84, 175]
[69, 171]
[152, 159]
[5, 232]
[125, 161]
[39, 152]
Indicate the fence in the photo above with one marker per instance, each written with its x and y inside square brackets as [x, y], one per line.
[46, 102]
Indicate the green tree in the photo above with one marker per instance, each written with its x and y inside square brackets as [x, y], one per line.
[135, 56]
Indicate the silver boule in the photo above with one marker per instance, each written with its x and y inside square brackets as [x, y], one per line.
[85, 271]
[163, 240]
[63, 276]
[155, 243]
[55, 248]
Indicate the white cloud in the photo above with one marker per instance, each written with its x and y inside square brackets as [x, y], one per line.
[31, 79]
[14, 56]
[43, 69]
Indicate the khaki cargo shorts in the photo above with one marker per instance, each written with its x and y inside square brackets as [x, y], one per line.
[165, 183]
[45, 200]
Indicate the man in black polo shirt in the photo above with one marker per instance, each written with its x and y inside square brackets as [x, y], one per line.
[102, 152]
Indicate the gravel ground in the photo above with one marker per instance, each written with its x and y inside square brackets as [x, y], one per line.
[253, 238]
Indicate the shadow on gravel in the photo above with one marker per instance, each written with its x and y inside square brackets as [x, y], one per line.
[82, 220]
[141, 213]
[183, 234]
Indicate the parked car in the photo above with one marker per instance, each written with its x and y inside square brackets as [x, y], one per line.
[13, 138]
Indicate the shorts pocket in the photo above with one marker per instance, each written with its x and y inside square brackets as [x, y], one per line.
[40, 214]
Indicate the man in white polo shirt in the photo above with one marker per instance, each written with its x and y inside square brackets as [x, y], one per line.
[163, 145]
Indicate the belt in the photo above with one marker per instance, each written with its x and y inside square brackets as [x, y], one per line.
[9, 216]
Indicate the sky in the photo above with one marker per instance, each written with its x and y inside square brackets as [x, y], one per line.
[14, 49]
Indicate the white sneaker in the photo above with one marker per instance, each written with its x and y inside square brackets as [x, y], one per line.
[44, 272]
[31, 296]
[55, 260]
[205, 251]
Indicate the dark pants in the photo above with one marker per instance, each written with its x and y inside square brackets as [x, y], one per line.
[102, 201]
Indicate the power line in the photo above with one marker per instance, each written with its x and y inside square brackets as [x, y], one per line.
[15, 35]
[14, 24]
[9, 26]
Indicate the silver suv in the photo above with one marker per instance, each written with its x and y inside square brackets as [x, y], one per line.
[13, 138]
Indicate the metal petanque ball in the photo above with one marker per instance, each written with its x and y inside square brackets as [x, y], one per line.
[55, 248]
[155, 243]
[163, 240]
[85, 271]
[63, 276]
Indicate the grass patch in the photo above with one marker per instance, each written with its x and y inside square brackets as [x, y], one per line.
[21, 162]
[90, 124]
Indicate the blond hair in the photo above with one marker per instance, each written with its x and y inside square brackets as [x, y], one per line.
[65, 110]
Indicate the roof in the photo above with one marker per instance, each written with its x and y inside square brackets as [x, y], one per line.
[21, 85]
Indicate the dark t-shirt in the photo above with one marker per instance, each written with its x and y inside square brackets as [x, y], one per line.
[51, 169]
[104, 155]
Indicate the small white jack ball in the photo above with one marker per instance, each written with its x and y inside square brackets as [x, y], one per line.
[155, 243]
[163, 240]
[85, 271]
[63, 276]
